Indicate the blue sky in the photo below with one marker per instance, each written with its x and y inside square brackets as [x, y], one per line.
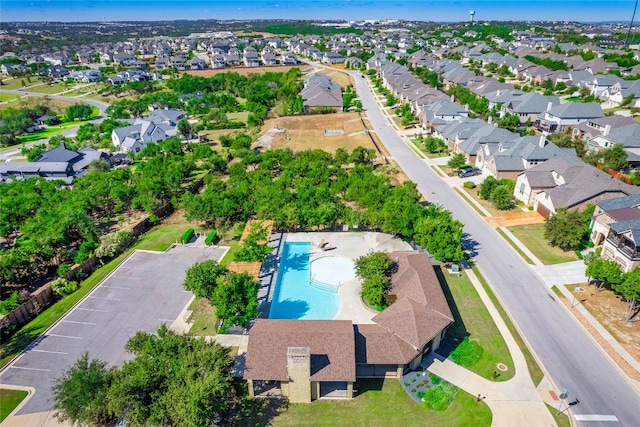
[440, 11]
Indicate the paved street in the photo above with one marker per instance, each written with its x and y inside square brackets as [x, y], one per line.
[140, 295]
[567, 352]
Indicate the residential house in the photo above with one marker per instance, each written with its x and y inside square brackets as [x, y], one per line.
[306, 360]
[528, 106]
[156, 127]
[589, 129]
[197, 63]
[615, 227]
[628, 136]
[510, 158]
[440, 112]
[568, 115]
[333, 58]
[567, 183]
[321, 91]
[601, 84]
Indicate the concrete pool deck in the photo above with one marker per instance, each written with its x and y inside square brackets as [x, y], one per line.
[350, 245]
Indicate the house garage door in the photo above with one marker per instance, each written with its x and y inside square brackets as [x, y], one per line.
[543, 210]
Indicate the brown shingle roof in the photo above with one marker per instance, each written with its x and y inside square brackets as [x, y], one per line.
[377, 346]
[332, 345]
[421, 310]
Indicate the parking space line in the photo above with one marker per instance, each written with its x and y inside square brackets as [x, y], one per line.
[63, 336]
[110, 299]
[78, 323]
[92, 309]
[116, 287]
[47, 351]
[30, 369]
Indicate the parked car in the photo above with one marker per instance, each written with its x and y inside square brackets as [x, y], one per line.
[467, 172]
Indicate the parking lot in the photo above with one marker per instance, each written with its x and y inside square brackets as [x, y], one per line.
[144, 292]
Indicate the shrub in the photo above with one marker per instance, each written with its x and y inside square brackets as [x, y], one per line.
[186, 237]
[8, 304]
[63, 269]
[469, 184]
[420, 395]
[210, 238]
[62, 287]
[437, 398]
[153, 219]
[435, 380]
[114, 243]
[467, 353]
[84, 252]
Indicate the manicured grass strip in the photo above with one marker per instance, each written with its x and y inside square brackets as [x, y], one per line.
[532, 235]
[562, 420]
[514, 246]
[51, 131]
[161, 238]
[8, 96]
[535, 372]
[10, 400]
[473, 320]
[383, 402]
[234, 246]
[438, 171]
[557, 291]
[469, 202]
[29, 332]
[204, 318]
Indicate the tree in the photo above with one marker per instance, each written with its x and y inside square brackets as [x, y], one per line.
[78, 111]
[374, 269]
[565, 229]
[487, 187]
[457, 161]
[184, 127]
[203, 278]
[629, 289]
[604, 270]
[80, 394]
[440, 235]
[173, 380]
[236, 299]
[615, 158]
[501, 198]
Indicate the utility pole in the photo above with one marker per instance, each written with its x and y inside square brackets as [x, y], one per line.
[626, 39]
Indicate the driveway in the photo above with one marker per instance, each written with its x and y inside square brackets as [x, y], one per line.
[144, 292]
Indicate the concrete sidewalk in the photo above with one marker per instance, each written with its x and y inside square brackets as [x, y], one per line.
[515, 402]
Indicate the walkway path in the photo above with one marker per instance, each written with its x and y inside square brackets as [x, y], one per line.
[515, 402]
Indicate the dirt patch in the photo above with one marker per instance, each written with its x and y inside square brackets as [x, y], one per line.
[308, 132]
[515, 218]
[246, 71]
[343, 79]
[610, 311]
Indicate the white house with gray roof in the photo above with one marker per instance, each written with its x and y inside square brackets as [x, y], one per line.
[528, 106]
[569, 114]
[156, 127]
[565, 183]
[615, 227]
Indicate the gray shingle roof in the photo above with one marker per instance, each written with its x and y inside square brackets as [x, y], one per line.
[577, 110]
[619, 202]
[632, 226]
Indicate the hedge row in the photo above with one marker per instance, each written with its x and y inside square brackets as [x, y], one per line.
[210, 237]
[186, 237]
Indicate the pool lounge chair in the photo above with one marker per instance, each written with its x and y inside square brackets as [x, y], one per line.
[322, 244]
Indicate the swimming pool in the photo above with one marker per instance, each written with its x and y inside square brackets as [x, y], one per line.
[294, 296]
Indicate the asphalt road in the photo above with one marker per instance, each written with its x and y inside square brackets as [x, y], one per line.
[140, 295]
[567, 352]
[102, 106]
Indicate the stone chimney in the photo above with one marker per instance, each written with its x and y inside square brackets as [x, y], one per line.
[607, 129]
[299, 370]
[498, 92]
[543, 140]
[549, 105]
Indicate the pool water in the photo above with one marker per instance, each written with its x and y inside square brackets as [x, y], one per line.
[294, 296]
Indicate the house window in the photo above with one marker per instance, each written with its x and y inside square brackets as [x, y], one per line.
[522, 188]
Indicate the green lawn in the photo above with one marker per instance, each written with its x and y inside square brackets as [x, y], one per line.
[533, 237]
[16, 84]
[383, 403]
[472, 319]
[468, 198]
[10, 400]
[535, 372]
[204, 318]
[8, 96]
[160, 238]
[50, 131]
[50, 89]
[473, 192]
[562, 420]
[240, 116]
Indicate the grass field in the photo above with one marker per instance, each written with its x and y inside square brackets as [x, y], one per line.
[10, 400]
[383, 403]
[50, 89]
[342, 79]
[472, 319]
[160, 238]
[240, 116]
[8, 96]
[514, 246]
[50, 131]
[533, 237]
[16, 84]
[203, 315]
[245, 71]
[473, 192]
